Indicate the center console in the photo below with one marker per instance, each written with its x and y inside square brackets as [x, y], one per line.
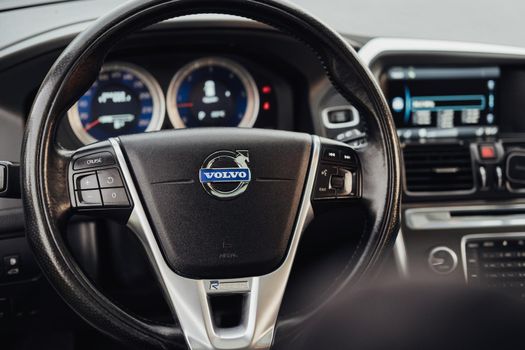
[456, 126]
[458, 109]
[438, 102]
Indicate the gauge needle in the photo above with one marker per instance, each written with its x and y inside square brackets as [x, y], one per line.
[185, 105]
[92, 124]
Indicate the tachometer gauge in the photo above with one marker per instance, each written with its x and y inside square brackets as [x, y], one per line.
[125, 99]
[212, 92]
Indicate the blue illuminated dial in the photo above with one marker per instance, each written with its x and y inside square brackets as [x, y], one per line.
[212, 92]
[125, 99]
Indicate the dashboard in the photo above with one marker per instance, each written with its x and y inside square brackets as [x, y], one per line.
[436, 102]
[179, 85]
[457, 108]
[208, 91]
[169, 76]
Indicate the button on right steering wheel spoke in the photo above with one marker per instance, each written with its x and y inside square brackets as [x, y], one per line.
[338, 174]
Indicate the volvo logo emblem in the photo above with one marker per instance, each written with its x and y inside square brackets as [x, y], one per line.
[225, 174]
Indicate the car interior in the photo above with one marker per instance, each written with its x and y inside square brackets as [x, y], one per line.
[260, 174]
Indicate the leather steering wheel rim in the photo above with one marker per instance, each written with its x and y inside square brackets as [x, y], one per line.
[44, 166]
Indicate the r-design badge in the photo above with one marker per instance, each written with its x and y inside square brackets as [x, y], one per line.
[225, 174]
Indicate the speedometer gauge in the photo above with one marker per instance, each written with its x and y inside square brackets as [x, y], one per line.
[125, 99]
[212, 92]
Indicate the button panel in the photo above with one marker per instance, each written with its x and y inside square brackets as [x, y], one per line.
[338, 174]
[496, 262]
[101, 188]
[99, 183]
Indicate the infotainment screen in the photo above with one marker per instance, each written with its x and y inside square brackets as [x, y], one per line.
[431, 102]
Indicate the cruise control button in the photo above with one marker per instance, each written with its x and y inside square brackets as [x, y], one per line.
[109, 178]
[331, 154]
[322, 185]
[86, 182]
[88, 198]
[116, 197]
[94, 160]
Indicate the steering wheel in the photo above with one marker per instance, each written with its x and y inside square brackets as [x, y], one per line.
[219, 211]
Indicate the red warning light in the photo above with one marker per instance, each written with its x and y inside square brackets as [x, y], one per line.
[266, 89]
[266, 106]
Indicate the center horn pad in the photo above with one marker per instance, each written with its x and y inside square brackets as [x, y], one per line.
[222, 201]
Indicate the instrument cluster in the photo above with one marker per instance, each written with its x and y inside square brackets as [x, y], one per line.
[208, 91]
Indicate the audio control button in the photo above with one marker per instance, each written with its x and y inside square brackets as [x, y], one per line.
[331, 154]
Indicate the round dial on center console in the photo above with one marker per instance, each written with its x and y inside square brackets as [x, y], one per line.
[442, 260]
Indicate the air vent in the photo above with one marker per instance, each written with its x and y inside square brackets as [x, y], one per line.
[438, 168]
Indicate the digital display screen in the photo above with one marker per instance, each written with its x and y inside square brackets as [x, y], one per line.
[444, 102]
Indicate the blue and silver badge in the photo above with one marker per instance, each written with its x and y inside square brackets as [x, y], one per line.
[225, 174]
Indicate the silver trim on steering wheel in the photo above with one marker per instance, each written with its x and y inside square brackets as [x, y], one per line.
[188, 298]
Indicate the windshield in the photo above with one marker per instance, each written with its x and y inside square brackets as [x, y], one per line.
[484, 21]
[6, 5]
